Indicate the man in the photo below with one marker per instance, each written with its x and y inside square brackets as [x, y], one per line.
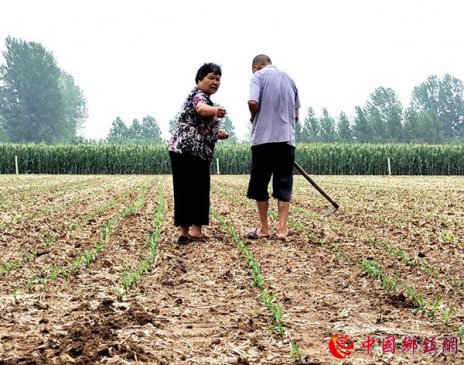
[273, 105]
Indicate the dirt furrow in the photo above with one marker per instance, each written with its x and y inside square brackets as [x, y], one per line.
[68, 322]
[204, 308]
[323, 295]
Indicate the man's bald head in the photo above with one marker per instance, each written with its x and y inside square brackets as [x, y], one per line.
[260, 61]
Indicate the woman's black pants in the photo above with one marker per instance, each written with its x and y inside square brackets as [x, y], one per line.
[192, 182]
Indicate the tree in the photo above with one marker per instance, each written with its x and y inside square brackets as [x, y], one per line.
[118, 132]
[411, 129]
[135, 131]
[151, 132]
[173, 124]
[442, 100]
[384, 113]
[75, 105]
[344, 132]
[430, 127]
[298, 131]
[3, 136]
[327, 126]
[361, 128]
[38, 102]
[228, 126]
[310, 130]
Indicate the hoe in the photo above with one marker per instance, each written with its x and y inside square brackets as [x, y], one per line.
[335, 206]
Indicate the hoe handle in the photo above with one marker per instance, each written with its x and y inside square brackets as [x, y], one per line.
[313, 183]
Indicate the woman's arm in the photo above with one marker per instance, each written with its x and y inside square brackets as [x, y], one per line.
[206, 110]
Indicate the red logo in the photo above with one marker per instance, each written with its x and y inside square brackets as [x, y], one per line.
[340, 346]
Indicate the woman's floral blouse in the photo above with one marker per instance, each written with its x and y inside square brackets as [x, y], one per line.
[195, 134]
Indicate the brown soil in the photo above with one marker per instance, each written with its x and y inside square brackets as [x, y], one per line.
[198, 303]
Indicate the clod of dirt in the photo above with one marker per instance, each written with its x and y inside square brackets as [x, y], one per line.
[242, 361]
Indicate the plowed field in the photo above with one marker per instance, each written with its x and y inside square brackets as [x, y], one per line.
[90, 273]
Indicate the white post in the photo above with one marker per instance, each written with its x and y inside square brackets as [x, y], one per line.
[16, 165]
[217, 165]
[389, 166]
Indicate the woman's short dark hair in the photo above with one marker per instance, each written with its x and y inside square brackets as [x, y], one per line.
[206, 69]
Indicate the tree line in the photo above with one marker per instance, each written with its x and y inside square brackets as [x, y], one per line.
[435, 115]
[39, 102]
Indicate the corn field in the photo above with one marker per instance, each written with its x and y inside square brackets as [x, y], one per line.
[325, 159]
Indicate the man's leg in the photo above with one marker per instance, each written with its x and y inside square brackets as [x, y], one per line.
[260, 176]
[283, 209]
[263, 208]
[283, 184]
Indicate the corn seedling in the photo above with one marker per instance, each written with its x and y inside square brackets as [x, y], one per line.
[26, 257]
[421, 304]
[447, 313]
[297, 226]
[431, 310]
[120, 295]
[15, 295]
[411, 293]
[88, 258]
[295, 352]
[461, 332]
[390, 285]
[429, 269]
[448, 237]
[99, 247]
[49, 239]
[371, 268]
[30, 286]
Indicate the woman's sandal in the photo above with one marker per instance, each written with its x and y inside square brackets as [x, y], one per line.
[201, 238]
[182, 240]
[254, 235]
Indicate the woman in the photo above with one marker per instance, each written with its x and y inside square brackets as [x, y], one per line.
[191, 151]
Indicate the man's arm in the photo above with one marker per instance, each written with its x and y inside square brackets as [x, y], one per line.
[297, 115]
[253, 106]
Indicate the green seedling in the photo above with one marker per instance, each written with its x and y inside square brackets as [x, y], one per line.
[390, 285]
[429, 269]
[461, 333]
[120, 295]
[127, 279]
[295, 352]
[30, 286]
[26, 257]
[371, 268]
[49, 239]
[448, 237]
[144, 267]
[15, 295]
[447, 313]
[411, 292]
[88, 258]
[436, 303]
[99, 247]
[421, 304]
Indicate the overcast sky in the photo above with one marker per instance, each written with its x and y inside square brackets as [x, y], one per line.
[139, 57]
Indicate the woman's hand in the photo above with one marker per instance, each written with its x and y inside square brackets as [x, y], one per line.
[220, 112]
[222, 134]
